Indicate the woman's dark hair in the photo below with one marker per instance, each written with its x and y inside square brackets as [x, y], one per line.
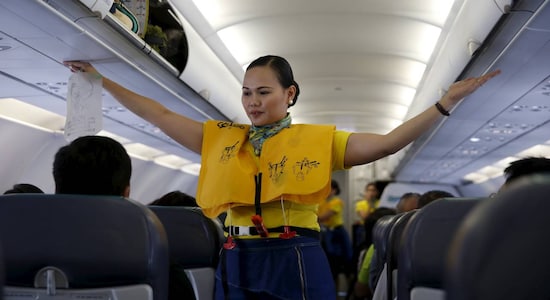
[282, 69]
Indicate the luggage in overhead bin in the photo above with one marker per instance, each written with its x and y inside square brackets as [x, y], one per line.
[156, 23]
[166, 35]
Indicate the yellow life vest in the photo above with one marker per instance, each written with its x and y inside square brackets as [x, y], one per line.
[295, 164]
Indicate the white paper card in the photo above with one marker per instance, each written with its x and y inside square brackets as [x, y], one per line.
[84, 115]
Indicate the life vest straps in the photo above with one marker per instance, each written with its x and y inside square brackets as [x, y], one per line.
[258, 194]
[257, 218]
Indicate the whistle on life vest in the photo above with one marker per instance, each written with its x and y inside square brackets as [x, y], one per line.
[259, 224]
[287, 234]
[229, 244]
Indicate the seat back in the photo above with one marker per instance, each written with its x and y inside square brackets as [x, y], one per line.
[380, 239]
[424, 246]
[501, 250]
[394, 245]
[1, 274]
[89, 247]
[381, 233]
[195, 241]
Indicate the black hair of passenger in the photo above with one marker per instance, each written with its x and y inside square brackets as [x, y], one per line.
[526, 166]
[334, 185]
[24, 188]
[92, 165]
[371, 220]
[406, 198]
[431, 196]
[282, 68]
[175, 198]
[410, 195]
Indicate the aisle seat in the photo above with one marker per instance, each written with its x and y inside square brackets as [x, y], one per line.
[85, 247]
[424, 246]
[195, 242]
[501, 249]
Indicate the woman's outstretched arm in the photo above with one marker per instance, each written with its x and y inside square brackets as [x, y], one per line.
[183, 130]
[363, 148]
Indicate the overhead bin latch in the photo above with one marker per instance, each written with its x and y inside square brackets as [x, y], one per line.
[100, 7]
[504, 5]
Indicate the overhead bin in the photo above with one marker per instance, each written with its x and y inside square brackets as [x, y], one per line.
[40, 35]
[519, 46]
[186, 53]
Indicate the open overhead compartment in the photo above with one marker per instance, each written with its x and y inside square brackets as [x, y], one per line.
[37, 36]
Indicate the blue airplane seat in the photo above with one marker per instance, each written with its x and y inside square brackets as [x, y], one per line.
[394, 245]
[85, 247]
[501, 250]
[380, 239]
[424, 245]
[381, 234]
[195, 242]
[1, 273]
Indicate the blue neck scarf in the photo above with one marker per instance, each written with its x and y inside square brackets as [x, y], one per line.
[258, 134]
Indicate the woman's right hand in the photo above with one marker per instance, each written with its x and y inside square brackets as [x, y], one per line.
[82, 66]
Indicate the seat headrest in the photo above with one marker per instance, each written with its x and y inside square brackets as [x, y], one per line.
[381, 233]
[425, 242]
[1, 273]
[194, 239]
[96, 241]
[501, 250]
[394, 238]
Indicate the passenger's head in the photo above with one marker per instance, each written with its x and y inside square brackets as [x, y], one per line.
[175, 198]
[407, 202]
[92, 165]
[24, 188]
[526, 166]
[431, 196]
[269, 89]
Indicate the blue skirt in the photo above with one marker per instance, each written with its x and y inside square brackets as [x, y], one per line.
[272, 268]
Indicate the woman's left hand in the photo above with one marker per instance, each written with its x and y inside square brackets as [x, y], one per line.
[460, 89]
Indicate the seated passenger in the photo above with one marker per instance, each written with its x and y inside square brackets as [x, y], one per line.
[525, 166]
[407, 202]
[24, 188]
[431, 196]
[92, 165]
[175, 198]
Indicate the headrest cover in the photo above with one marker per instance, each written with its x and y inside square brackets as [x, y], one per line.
[195, 240]
[501, 250]
[96, 241]
[425, 243]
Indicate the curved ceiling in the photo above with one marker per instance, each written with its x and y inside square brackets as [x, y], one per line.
[358, 63]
